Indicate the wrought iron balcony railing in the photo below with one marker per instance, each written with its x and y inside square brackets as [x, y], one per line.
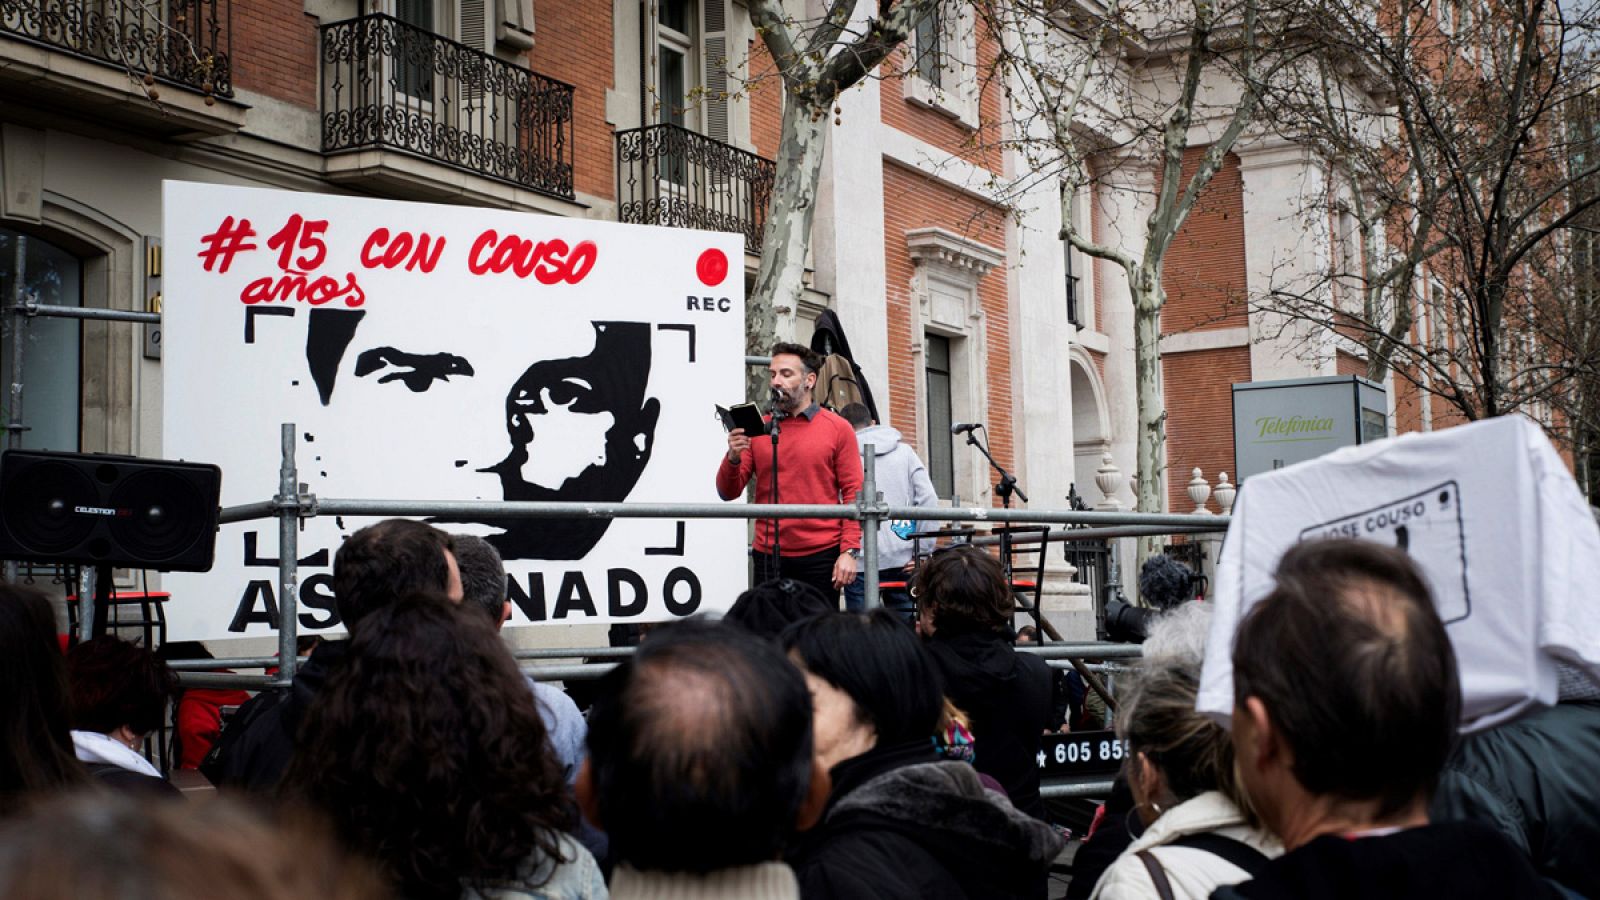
[391, 86]
[182, 42]
[669, 175]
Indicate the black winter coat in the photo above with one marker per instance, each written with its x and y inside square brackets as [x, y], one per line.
[1534, 780]
[1455, 860]
[254, 750]
[904, 825]
[1009, 697]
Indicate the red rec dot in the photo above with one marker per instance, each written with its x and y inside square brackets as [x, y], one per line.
[712, 267]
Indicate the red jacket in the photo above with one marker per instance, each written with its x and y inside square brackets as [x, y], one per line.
[818, 462]
[199, 720]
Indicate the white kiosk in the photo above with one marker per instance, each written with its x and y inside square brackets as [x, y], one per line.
[1280, 423]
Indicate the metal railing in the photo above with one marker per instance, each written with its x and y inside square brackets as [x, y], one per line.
[669, 175]
[188, 43]
[392, 86]
[1092, 559]
[289, 506]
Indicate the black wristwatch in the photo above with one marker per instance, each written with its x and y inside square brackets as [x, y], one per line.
[854, 553]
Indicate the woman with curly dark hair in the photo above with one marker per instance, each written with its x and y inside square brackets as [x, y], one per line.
[429, 756]
[35, 742]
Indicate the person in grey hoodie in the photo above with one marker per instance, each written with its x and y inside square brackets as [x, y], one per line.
[903, 480]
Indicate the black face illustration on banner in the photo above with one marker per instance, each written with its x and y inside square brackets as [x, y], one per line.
[578, 428]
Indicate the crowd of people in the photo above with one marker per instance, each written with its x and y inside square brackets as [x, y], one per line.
[789, 750]
[793, 750]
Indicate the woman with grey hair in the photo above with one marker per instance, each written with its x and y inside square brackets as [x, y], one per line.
[1198, 834]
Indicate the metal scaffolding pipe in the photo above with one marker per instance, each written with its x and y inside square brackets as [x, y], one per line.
[17, 325]
[247, 512]
[88, 585]
[1076, 789]
[573, 653]
[528, 509]
[202, 672]
[531, 509]
[288, 504]
[208, 665]
[1097, 533]
[579, 672]
[1084, 650]
[869, 501]
[230, 680]
[87, 312]
[1094, 650]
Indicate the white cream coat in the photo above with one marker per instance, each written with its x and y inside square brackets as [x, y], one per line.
[1194, 873]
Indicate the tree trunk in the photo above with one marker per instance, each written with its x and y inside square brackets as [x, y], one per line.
[780, 282]
[1152, 433]
[1494, 291]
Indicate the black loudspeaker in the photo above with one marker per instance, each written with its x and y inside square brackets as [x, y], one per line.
[97, 509]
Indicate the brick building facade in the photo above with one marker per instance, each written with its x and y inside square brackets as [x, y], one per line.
[956, 303]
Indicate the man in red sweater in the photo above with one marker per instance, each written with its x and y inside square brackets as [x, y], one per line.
[818, 462]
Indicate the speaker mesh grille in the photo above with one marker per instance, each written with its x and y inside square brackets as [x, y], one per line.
[41, 509]
[160, 515]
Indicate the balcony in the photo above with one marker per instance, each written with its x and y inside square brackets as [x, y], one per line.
[668, 175]
[393, 93]
[114, 60]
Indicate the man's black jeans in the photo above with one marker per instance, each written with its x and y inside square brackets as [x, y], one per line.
[815, 569]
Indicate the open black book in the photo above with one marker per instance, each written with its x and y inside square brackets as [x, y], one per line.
[746, 416]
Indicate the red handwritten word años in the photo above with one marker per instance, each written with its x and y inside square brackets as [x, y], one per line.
[298, 233]
[300, 287]
[548, 261]
[414, 252]
[222, 245]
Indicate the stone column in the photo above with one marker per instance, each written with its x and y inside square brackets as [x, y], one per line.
[847, 236]
[1041, 386]
[1123, 197]
[1289, 245]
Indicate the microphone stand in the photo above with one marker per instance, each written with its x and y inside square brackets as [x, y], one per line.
[1008, 483]
[773, 429]
[1007, 486]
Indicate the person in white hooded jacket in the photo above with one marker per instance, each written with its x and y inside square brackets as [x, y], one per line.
[1197, 836]
[119, 696]
[903, 480]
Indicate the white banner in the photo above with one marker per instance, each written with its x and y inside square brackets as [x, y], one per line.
[429, 352]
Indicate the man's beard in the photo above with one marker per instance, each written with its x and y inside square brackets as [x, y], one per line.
[787, 402]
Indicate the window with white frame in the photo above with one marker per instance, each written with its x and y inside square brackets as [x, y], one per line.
[941, 414]
[675, 77]
[943, 73]
[1349, 253]
[688, 73]
[948, 317]
[485, 25]
[1080, 312]
[675, 64]
[414, 69]
[927, 45]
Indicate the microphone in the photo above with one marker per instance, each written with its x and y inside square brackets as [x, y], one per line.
[965, 427]
[777, 397]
